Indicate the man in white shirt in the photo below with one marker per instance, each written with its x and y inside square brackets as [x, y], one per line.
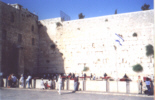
[60, 83]
[28, 81]
[21, 81]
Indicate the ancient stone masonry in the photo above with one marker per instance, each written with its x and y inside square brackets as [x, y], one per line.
[91, 42]
[18, 28]
[53, 46]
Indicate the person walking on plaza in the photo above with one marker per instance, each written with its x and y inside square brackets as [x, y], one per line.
[21, 81]
[75, 84]
[148, 85]
[60, 84]
[139, 81]
[28, 80]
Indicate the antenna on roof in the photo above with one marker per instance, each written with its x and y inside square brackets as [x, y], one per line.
[64, 16]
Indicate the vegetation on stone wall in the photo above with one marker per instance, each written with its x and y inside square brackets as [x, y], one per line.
[58, 24]
[137, 68]
[53, 46]
[134, 35]
[81, 16]
[116, 11]
[85, 68]
[149, 50]
[145, 7]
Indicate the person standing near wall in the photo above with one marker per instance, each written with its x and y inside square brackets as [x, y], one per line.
[94, 77]
[85, 76]
[21, 81]
[28, 80]
[60, 84]
[42, 84]
[9, 81]
[14, 80]
[139, 81]
[148, 85]
[91, 76]
[75, 84]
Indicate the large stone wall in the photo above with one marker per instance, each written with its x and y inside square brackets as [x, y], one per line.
[91, 42]
[50, 58]
[64, 47]
[19, 55]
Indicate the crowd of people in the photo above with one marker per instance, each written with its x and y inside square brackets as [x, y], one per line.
[52, 78]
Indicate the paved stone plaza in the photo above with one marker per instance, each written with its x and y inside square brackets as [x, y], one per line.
[36, 94]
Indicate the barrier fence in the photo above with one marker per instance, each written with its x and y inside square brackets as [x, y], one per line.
[88, 85]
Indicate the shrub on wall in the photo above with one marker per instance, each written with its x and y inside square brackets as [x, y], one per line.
[149, 50]
[86, 69]
[134, 35]
[58, 24]
[137, 68]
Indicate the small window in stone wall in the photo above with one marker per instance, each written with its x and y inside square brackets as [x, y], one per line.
[19, 38]
[33, 41]
[32, 28]
[53, 46]
[12, 17]
[134, 35]
[4, 35]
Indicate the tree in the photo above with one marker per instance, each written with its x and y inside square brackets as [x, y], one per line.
[145, 7]
[149, 50]
[81, 16]
[137, 68]
[116, 11]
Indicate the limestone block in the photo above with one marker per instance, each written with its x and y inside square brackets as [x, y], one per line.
[112, 86]
[95, 85]
[133, 87]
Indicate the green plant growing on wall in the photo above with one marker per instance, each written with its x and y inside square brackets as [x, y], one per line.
[137, 68]
[53, 46]
[145, 7]
[134, 35]
[149, 50]
[58, 24]
[85, 68]
[81, 16]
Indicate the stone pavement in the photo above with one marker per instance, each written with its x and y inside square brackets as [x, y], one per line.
[38, 94]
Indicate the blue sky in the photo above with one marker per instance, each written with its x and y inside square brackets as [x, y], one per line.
[47, 9]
